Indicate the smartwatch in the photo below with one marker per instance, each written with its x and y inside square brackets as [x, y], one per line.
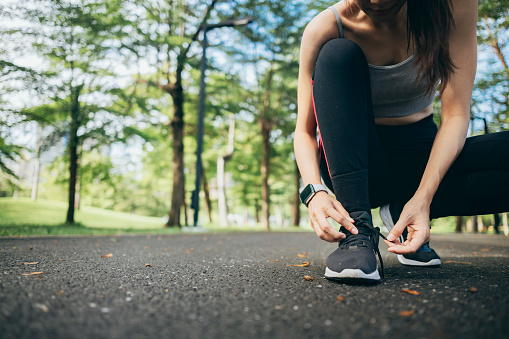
[309, 192]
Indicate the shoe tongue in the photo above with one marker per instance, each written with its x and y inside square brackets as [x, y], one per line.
[361, 217]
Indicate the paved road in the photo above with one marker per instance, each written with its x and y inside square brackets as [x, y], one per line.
[231, 286]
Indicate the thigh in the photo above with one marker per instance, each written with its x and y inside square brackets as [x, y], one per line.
[478, 181]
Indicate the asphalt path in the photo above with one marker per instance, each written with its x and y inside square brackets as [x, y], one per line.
[240, 285]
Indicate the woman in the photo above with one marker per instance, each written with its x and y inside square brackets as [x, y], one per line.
[367, 79]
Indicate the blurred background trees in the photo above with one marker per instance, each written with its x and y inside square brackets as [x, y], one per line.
[99, 104]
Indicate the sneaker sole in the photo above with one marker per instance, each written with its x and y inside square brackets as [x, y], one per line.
[352, 275]
[409, 262]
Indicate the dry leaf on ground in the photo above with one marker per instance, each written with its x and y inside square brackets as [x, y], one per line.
[411, 292]
[147, 265]
[304, 264]
[33, 273]
[301, 255]
[107, 256]
[308, 278]
[407, 313]
[340, 298]
[31, 263]
[472, 289]
[275, 260]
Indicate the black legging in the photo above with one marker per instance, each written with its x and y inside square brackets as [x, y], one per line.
[368, 165]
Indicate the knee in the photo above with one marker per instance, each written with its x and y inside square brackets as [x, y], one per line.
[340, 53]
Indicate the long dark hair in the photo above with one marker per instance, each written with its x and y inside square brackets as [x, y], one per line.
[429, 24]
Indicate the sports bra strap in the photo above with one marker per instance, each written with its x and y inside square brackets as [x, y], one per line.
[338, 20]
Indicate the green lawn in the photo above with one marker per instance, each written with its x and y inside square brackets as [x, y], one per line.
[45, 217]
[22, 217]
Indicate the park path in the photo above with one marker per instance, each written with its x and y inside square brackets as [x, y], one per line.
[239, 285]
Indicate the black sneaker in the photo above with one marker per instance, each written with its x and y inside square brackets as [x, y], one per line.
[354, 261]
[425, 255]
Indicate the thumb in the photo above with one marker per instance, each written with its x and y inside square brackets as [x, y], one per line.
[397, 230]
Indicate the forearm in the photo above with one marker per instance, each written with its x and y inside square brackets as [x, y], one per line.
[448, 144]
[306, 154]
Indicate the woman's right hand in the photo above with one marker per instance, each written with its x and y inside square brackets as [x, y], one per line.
[323, 206]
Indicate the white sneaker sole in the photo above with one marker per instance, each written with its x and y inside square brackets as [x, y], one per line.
[352, 274]
[409, 262]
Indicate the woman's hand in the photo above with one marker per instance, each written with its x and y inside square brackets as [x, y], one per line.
[323, 206]
[415, 217]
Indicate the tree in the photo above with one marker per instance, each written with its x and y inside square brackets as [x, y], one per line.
[81, 96]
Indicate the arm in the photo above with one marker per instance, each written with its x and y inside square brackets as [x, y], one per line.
[452, 132]
[316, 34]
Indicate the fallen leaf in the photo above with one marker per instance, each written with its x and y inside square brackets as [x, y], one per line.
[474, 253]
[31, 263]
[59, 293]
[31, 248]
[187, 251]
[33, 273]
[147, 265]
[14, 248]
[411, 292]
[146, 247]
[42, 307]
[472, 289]
[484, 255]
[304, 264]
[159, 238]
[340, 298]
[306, 253]
[107, 256]
[301, 255]
[275, 260]
[166, 290]
[457, 262]
[165, 249]
[407, 313]
[308, 278]
[485, 250]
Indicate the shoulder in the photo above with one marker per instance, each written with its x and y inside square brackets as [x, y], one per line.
[464, 13]
[322, 28]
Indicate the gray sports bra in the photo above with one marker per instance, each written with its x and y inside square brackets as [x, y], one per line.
[394, 88]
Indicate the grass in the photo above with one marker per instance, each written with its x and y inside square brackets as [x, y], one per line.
[24, 217]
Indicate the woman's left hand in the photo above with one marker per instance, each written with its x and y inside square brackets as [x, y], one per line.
[414, 217]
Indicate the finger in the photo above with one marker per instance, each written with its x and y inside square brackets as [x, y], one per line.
[329, 231]
[392, 243]
[409, 247]
[342, 210]
[397, 230]
[341, 219]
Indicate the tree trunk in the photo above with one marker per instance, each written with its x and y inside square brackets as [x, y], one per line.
[177, 125]
[257, 211]
[296, 202]
[73, 152]
[37, 164]
[184, 207]
[475, 227]
[504, 222]
[221, 186]
[459, 224]
[265, 177]
[208, 203]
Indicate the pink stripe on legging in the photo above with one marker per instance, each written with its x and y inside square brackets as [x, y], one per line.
[321, 142]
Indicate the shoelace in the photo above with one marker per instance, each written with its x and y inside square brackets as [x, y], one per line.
[372, 233]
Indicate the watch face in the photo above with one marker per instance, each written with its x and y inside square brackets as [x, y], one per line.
[306, 193]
